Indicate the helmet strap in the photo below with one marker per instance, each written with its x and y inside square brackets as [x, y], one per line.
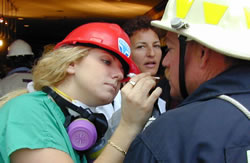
[182, 82]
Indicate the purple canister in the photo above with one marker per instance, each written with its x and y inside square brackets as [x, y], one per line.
[82, 134]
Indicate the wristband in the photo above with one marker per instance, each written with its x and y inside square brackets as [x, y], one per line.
[117, 147]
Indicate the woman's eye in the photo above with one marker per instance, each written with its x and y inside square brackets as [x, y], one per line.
[157, 46]
[139, 47]
[107, 62]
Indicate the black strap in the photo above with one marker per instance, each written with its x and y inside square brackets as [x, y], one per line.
[182, 81]
[56, 98]
[97, 118]
[85, 113]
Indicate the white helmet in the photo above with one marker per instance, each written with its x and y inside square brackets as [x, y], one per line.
[19, 48]
[222, 25]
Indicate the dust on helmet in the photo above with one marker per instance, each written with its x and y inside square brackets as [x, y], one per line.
[19, 48]
[222, 25]
[108, 36]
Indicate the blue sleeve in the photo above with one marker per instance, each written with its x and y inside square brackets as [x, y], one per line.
[139, 153]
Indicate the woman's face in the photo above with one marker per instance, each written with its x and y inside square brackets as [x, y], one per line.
[146, 50]
[97, 77]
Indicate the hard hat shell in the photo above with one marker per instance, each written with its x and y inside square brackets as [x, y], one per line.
[108, 36]
[222, 25]
[19, 48]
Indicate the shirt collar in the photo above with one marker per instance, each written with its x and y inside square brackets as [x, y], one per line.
[232, 81]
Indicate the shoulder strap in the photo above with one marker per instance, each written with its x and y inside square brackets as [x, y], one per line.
[236, 103]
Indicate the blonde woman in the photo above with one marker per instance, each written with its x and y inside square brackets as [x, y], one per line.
[55, 123]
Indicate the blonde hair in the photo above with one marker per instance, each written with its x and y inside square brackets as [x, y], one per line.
[51, 68]
[11, 95]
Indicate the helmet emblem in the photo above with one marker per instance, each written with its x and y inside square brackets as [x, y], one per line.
[124, 47]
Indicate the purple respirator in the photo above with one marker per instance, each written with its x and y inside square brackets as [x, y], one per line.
[82, 134]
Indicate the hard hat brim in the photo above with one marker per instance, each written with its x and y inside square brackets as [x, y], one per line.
[205, 34]
[128, 64]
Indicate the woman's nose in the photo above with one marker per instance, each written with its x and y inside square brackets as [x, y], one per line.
[150, 52]
[118, 73]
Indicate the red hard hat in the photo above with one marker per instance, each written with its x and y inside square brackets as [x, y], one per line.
[107, 36]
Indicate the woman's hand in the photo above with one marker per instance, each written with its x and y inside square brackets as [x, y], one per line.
[138, 100]
[137, 105]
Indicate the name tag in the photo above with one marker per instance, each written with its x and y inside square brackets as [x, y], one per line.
[248, 156]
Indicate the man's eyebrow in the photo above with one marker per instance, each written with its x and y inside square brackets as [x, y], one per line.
[167, 41]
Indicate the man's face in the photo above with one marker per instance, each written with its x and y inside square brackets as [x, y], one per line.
[171, 62]
[194, 65]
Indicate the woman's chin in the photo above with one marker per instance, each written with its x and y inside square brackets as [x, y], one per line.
[106, 99]
[152, 72]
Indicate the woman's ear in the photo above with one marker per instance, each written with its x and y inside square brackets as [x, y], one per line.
[71, 68]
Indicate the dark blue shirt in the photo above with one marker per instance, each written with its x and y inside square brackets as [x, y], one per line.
[203, 129]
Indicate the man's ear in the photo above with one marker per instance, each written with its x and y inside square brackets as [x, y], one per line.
[71, 68]
[204, 56]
